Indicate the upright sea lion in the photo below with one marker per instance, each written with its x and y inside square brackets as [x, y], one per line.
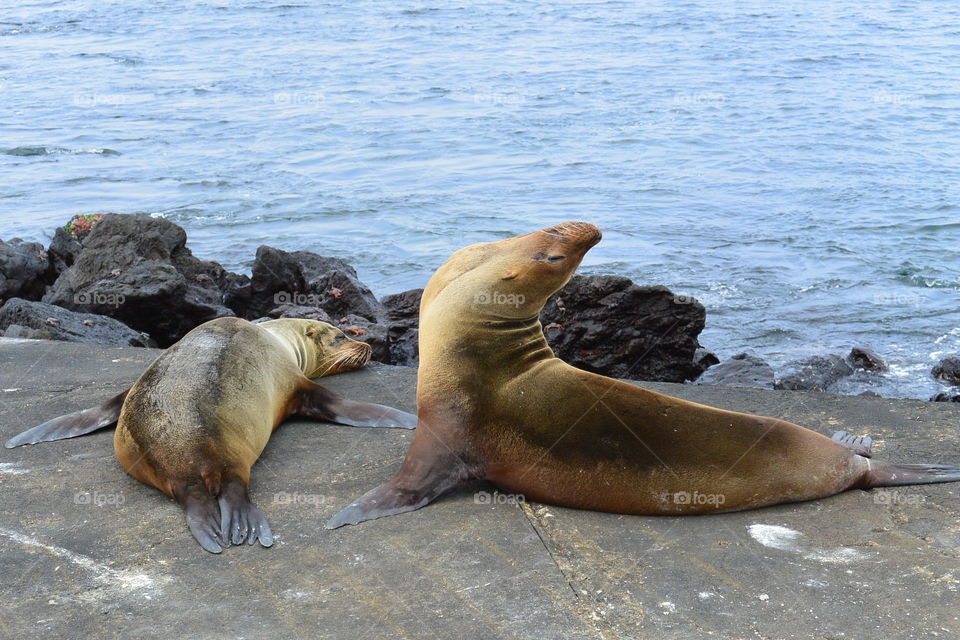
[495, 403]
[198, 418]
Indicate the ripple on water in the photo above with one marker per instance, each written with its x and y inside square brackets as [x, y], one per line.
[803, 188]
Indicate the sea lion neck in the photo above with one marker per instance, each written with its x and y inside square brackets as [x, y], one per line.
[302, 354]
[487, 340]
[520, 342]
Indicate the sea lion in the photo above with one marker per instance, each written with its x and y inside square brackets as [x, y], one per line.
[198, 418]
[494, 403]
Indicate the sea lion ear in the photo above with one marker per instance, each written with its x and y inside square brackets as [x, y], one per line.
[510, 275]
[311, 331]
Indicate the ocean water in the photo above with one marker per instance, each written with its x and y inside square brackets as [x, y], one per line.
[795, 166]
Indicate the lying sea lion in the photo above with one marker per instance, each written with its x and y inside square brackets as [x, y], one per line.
[198, 418]
[495, 403]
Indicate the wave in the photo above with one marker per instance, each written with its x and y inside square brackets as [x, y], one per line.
[28, 151]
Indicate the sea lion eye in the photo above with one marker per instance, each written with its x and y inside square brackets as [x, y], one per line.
[543, 256]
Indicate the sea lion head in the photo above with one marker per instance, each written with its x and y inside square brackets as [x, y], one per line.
[512, 278]
[321, 349]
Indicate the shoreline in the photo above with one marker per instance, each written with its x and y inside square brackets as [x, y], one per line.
[131, 279]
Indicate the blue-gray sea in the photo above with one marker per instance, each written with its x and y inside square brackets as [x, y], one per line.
[793, 165]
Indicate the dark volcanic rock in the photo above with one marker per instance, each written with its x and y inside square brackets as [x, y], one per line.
[866, 359]
[405, 348]
[303, 278]
[705, 359]
[813, 374]
[24, 319]
[403, 320]
[403, 309]
[293, 311]
[608, 325]
[359, 328]
[63, 251]
[741, 370]
[137, 269]
[24, 269]
[948, 370]
[946, 397]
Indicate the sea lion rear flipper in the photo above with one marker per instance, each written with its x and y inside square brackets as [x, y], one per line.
[316, 401]
[203, 518]
[240, 520]
[860, 445]
[73, 424]
[424, 476]
[230, 518]
[888, 474]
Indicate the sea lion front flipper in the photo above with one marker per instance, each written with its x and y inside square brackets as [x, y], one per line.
[316, 401]
[73, 424]
[429, 470]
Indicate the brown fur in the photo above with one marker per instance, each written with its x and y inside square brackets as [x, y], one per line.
[565, 436]
[199, 410]
[495, 403]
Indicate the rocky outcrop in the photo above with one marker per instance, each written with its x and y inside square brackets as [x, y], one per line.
[137, 269]
[63, 251]
[948, 370]
[305, 279]
[403, 321]
[24, 269]
[946, 397]
[374, 334]
[741, 370]
[704, 359]
[860, 358]
[21, 318]
[815, 373]
[295, 311]
[608, 325]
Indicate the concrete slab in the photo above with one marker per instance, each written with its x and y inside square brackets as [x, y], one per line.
[90, 552]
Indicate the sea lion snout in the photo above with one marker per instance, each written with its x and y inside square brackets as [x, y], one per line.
[347, 354]
[581, 234]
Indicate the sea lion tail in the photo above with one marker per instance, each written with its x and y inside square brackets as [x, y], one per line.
[887, 474]
[73, 424]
